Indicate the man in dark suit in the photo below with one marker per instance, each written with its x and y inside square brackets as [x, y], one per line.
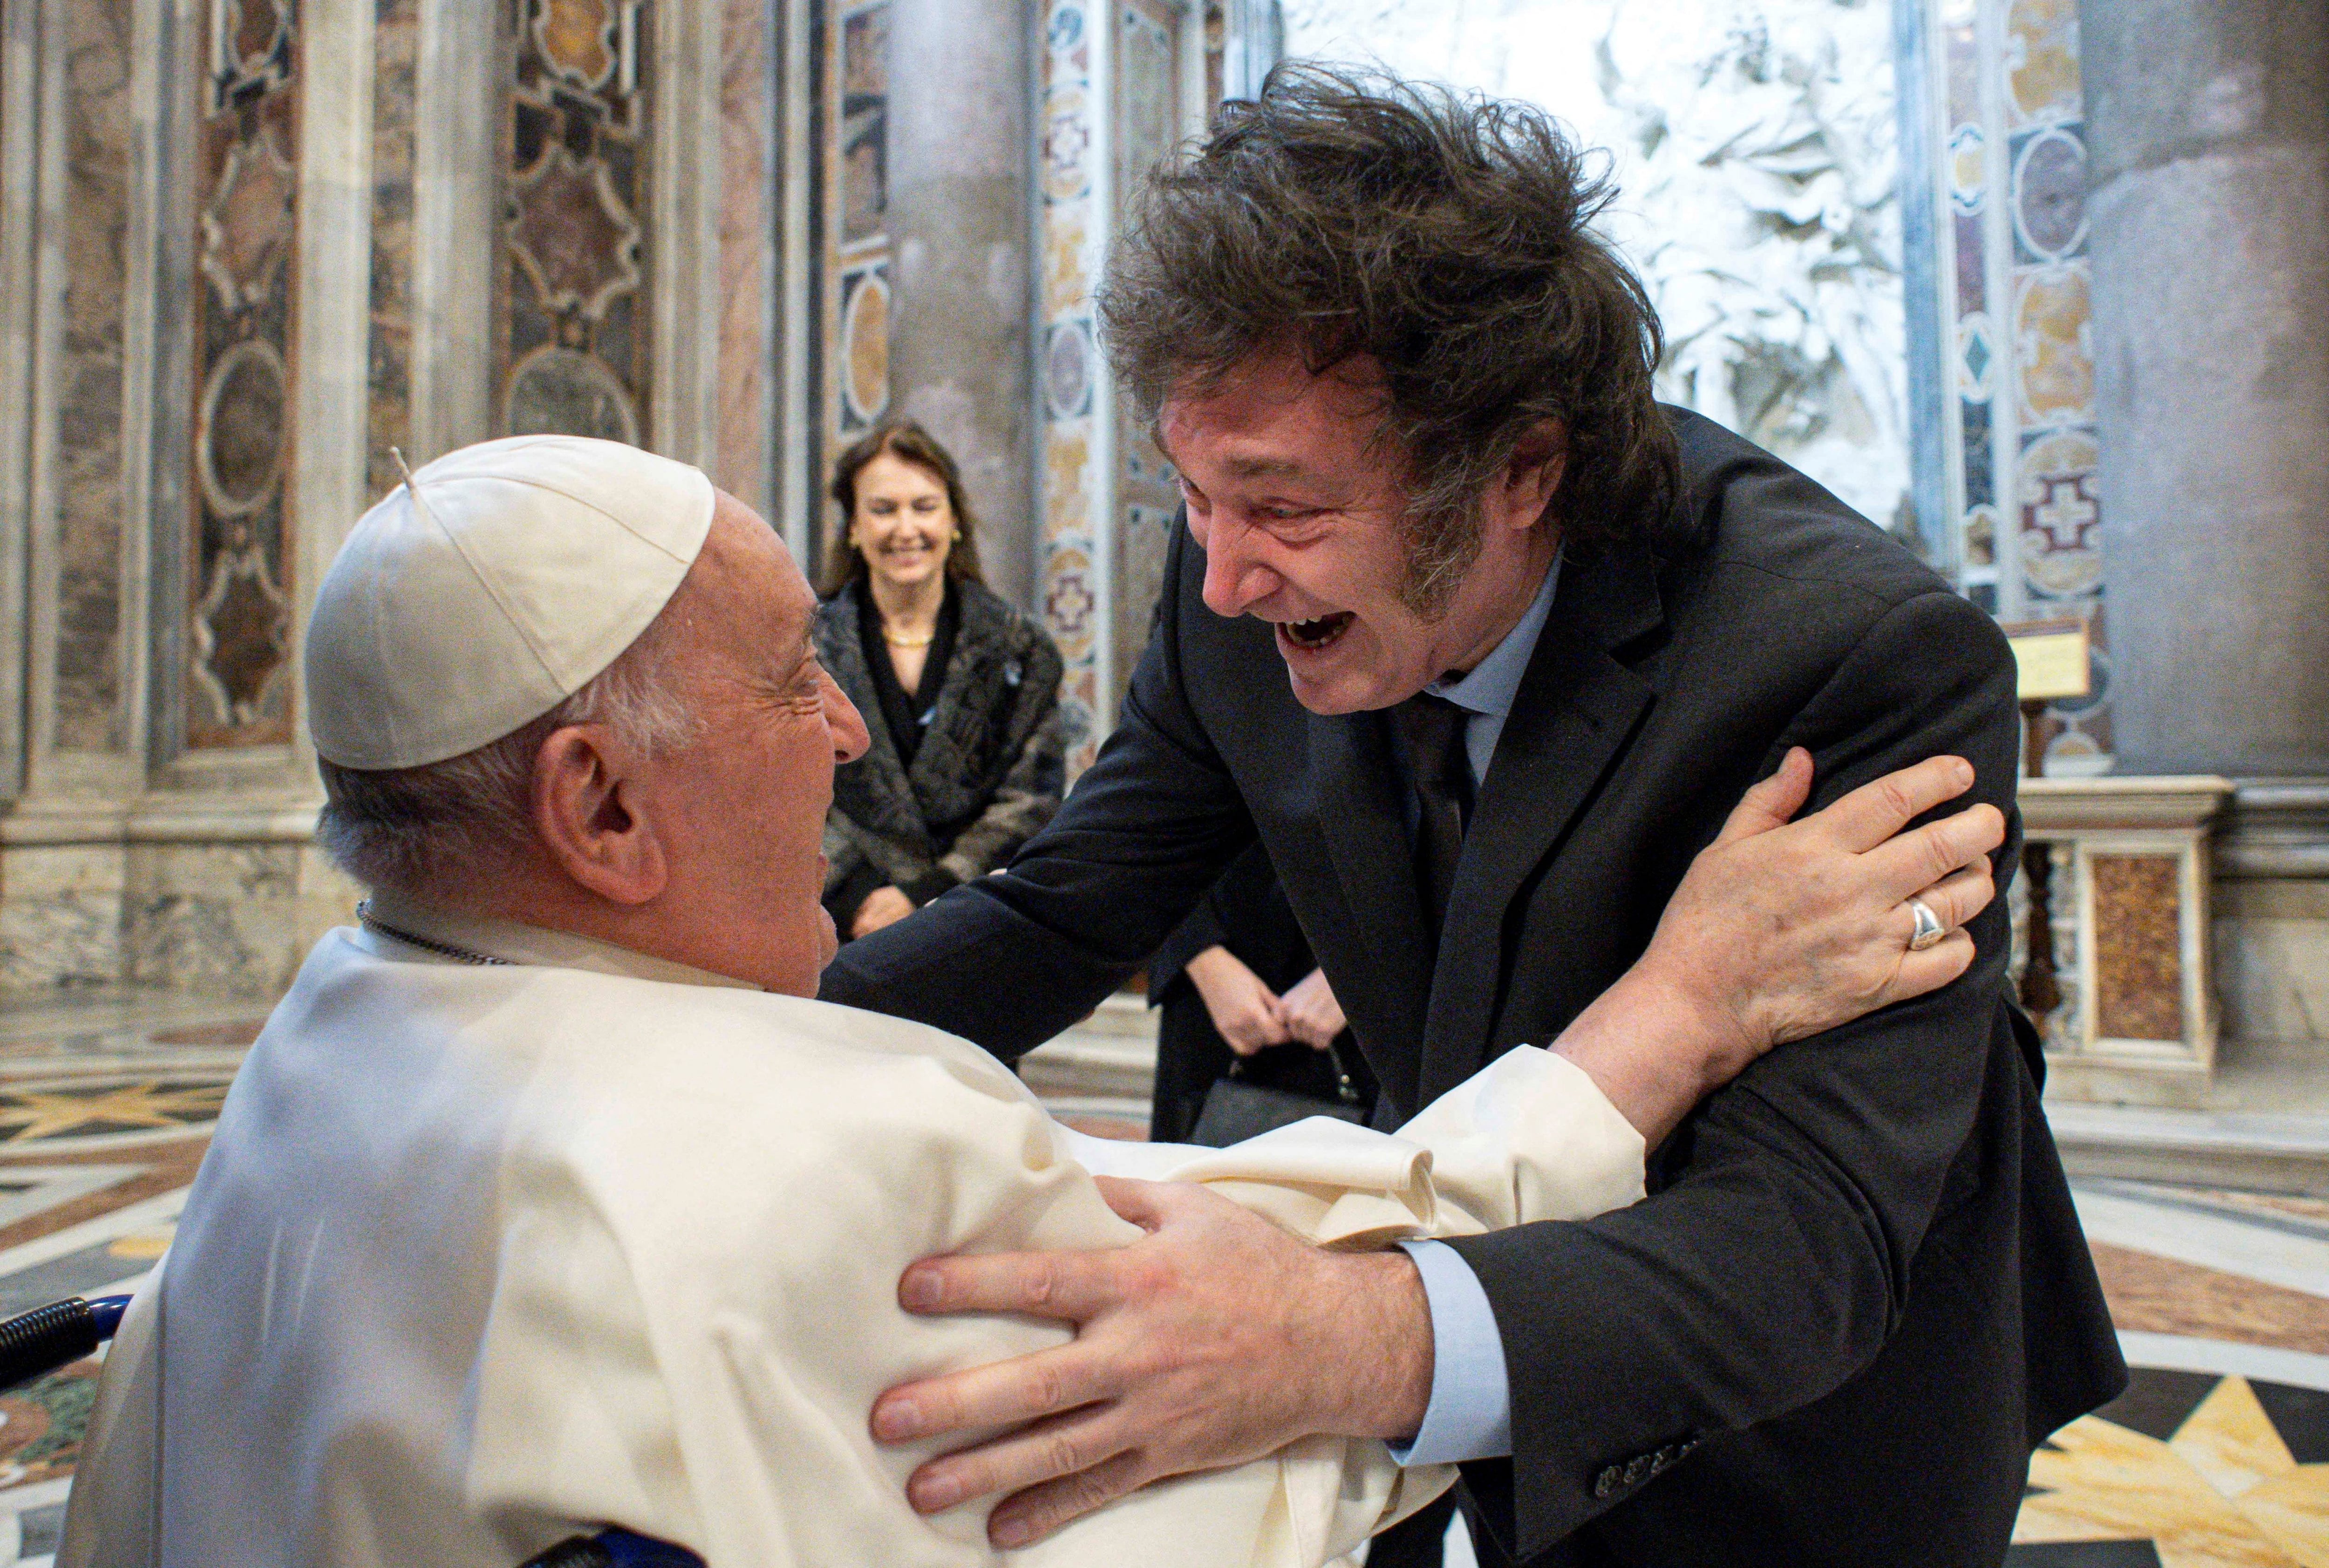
[1537, 634]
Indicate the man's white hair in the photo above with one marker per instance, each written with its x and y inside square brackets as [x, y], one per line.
[423, 830]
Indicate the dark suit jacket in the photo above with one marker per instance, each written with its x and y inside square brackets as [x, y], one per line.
[1247, 912]
[1858, 1294]
[989, 772]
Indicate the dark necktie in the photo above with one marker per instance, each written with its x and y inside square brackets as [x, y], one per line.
[1433, 729]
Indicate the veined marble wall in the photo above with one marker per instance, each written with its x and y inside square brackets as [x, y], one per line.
[854, 279]
[2022, 457]
[745, 433]
[91, 690]
[1074, 394]
[250, 247]
[1120, 86]
[1116, 86]
[240, 515]
[1151, 119]
[396, 58]
[571, 345]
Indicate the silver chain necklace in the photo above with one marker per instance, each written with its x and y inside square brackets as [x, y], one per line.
[447, 950]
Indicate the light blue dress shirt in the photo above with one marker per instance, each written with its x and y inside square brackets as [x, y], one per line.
[1470, 1416]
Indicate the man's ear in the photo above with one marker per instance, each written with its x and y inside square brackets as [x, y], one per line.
[1532, 478]
[588, 817]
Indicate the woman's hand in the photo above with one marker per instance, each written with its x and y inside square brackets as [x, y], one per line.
[884, 906]
[1782, 930]
[1312, 1015]
[1246, 1012]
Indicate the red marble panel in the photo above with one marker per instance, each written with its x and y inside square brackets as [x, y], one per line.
[2138, 947]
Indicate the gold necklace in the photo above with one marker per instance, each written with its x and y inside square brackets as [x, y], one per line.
[894, 640]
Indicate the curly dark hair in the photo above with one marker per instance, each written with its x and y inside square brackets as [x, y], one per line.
[1448, 237]
[907, 442]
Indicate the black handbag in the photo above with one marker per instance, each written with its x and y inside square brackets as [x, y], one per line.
[1238, 1108]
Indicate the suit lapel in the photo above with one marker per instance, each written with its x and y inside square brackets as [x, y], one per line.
[1355, 784]
[1576, 708]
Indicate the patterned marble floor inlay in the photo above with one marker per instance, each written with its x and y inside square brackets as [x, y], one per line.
[78, 1112]
[2196, 1469]
[2217, 1457]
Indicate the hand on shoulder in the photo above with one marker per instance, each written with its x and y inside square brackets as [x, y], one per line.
[1783, 928]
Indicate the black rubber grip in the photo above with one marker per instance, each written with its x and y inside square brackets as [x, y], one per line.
[40, 1341]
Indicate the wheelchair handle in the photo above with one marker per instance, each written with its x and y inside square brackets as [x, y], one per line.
[614, 1549]
[36, 1342]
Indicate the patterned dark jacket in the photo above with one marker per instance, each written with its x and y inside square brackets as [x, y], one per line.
[989, 772]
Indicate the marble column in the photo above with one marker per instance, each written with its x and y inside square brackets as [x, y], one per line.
[458, 108]
[683, 236]
[2208, 126]
[72, 564]
[743, 413]
[2208, 122]
[961, 225]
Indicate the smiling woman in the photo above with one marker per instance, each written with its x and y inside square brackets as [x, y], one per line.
[968, 760]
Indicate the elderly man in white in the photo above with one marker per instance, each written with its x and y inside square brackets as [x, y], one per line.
[549, 1199]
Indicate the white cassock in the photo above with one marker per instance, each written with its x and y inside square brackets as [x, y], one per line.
[482, 1256]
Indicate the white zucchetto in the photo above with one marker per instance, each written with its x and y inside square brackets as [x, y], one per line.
[491, 588]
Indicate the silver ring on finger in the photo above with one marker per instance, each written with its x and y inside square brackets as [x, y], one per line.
[1930, 929]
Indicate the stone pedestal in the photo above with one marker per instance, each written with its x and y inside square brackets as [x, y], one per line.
[2208, 123]
[2272, 918]
[2129, 893]
[219, 898]
[961, 227]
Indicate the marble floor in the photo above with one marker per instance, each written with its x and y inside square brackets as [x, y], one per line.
[2217, 1457]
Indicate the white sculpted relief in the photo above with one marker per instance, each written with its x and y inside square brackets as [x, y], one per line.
[1754, 147]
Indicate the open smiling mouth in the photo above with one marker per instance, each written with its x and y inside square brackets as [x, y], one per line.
[1310, 636]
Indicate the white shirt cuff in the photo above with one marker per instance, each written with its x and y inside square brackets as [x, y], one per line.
[1470, 1416]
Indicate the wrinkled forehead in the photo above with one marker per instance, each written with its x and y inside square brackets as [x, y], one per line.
[745, 595]
[1273, 398]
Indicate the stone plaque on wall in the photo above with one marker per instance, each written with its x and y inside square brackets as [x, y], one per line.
[246, 297]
